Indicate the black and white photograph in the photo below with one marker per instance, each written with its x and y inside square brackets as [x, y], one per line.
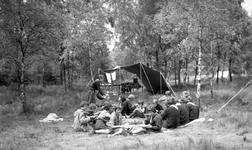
[125, 74]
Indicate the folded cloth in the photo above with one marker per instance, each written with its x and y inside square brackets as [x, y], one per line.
[52, 117]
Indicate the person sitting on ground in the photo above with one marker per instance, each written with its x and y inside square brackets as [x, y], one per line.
[92, 109]
[171, 114]
[102, 106]
[82, 119]
[184, 114]
[157, 106]
[154, 120]
[127, 107]
[101, 125]
[139, 110]
[116, 117]
[94, 112]
[152, 124]
[115, 123]
[192, 108]
[165, 96]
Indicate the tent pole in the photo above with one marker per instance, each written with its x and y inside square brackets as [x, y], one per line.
[120, 79]
[112, 83]
[147, 78]
[91, 80]
[141, 78]
[161, 90]
[169, 85]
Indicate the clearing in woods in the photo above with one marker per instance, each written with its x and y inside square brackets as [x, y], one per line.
[29, 133]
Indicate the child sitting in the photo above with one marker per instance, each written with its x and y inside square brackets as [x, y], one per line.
[139, 110]
[101, 124]
[82, 119]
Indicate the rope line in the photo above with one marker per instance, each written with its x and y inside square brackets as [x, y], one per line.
[169, 86]
[147, 78]
[234, 96]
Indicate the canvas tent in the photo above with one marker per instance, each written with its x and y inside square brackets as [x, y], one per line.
[153, 80]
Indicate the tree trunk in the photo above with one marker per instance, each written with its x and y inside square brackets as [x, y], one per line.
[217, 74]
[186, 73]
[230, 69]
[157, 58]
[22, 86]
[196, 72]
[222, 75]
[64, 76]
[165, 68]
[72, 76]
[90, 65]
[43, 75]
[212, 71]
[179, 73]
[68, 76]
[18, 82]
[199, 68]
[175, 72]
[61, 73]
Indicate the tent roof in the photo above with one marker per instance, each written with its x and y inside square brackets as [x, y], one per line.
[153, 80]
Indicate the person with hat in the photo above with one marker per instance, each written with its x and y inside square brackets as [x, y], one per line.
[82, 119]
[95, 91]
[139, 110]
[171, 114]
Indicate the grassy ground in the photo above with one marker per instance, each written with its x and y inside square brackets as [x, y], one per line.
[231, 128]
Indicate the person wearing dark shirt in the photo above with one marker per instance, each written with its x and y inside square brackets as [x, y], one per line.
[171, 114]
[126, 106]
[193, 111]
[157, 106]
[139, 111]
[95, 90]
[192, 108]
[154, 120]
[184, 114]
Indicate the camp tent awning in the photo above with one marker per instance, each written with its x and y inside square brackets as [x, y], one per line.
[153, 80]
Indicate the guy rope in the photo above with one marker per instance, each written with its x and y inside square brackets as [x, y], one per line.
[234, 96]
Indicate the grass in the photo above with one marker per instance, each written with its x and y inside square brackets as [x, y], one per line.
[25, 132]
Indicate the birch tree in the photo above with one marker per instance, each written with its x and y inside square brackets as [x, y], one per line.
[28, 27]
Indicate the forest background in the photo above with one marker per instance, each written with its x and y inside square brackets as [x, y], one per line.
[50, 50]
[65, 42]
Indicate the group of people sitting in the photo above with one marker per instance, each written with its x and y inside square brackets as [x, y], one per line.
[164, 113]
